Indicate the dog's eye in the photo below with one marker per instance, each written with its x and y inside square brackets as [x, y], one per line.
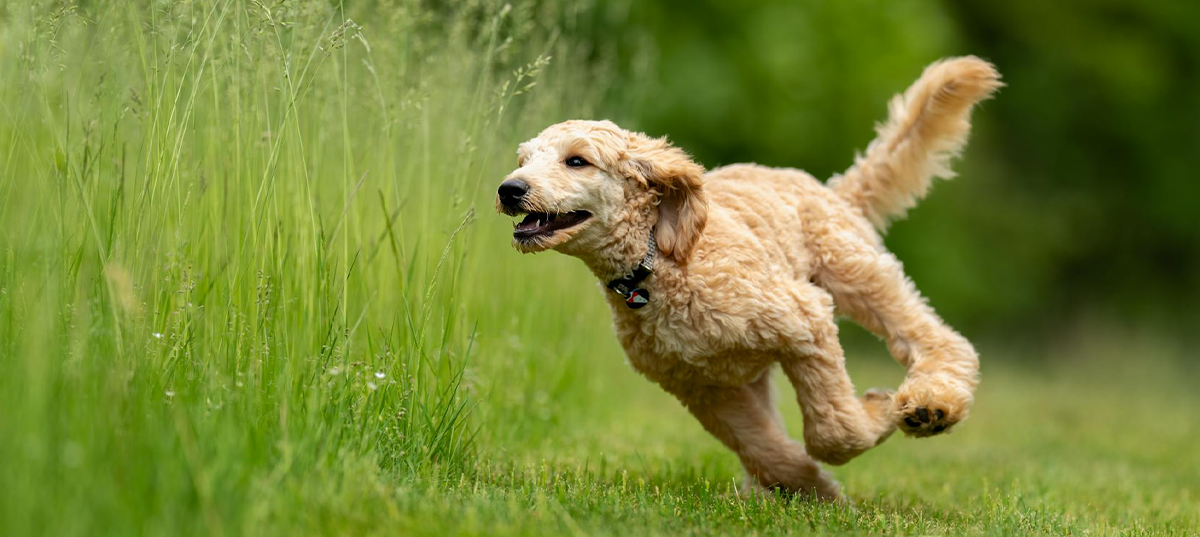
[576, 162]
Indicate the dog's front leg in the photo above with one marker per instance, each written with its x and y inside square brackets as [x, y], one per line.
[869, 285]
[746, 421]
[838, 424]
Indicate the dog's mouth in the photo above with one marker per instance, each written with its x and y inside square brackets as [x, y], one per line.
[537, 225]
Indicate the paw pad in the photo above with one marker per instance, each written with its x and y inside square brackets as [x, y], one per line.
[920, 421]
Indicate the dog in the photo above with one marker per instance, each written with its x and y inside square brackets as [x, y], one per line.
[714, 277]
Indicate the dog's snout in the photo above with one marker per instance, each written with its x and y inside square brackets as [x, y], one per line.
[512, 191]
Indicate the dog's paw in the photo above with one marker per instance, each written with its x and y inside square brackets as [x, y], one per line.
[920, 421]
[930, 405]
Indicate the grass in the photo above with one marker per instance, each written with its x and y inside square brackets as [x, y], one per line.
[250, 282]
[1083, 446]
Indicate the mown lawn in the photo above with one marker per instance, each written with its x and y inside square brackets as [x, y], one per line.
[251, 283]
[1082, 447]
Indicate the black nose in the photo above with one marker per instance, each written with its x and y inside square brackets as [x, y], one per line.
[512, 190]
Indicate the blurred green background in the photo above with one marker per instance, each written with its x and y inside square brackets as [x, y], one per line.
[1079, 189]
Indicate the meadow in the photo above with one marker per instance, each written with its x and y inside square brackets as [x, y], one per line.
[252, 282]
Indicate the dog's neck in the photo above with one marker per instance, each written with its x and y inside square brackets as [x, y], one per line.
[616, 254]
[621, 256]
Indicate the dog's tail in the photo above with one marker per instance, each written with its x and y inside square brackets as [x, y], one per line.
[926, 127]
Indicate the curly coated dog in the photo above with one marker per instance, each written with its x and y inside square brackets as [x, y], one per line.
[714, 277]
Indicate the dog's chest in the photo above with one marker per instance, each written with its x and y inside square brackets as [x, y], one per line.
[679, 354]
[734, 367]
[719, 334]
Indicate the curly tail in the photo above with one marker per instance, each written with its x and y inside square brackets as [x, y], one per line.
[926, 127]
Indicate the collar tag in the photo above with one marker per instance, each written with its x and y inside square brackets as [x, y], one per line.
[637, 298]
[628, 287]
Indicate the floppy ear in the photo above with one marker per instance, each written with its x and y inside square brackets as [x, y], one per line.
[682, 206]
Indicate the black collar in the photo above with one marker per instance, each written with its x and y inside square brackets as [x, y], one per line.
[636, 297]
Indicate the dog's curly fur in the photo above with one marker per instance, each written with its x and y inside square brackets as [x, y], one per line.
[753, 264]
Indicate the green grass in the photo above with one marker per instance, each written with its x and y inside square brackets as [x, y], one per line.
[251, 282]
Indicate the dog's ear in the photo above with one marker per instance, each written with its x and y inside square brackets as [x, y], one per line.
[678, 180]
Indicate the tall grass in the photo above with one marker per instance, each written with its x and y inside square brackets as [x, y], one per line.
[242, 262]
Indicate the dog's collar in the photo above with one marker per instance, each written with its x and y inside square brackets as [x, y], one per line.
[627, 286]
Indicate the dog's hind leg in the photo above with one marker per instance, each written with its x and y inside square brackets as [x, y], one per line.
[838, 424]
[868, 285]
[746, 421]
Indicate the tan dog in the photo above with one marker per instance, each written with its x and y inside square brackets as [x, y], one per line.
[745, 266]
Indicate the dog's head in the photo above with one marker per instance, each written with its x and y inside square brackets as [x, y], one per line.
[584, 186]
